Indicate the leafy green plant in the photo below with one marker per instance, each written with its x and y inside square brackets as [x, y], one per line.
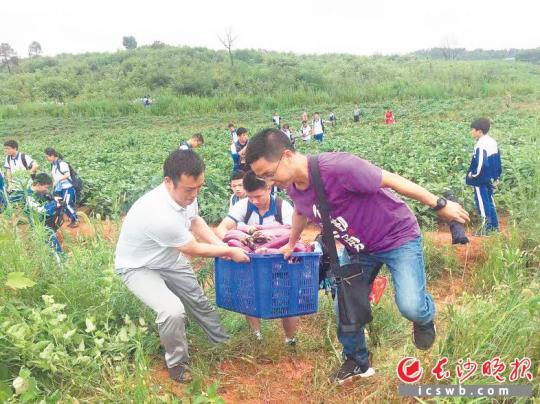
[198, 396]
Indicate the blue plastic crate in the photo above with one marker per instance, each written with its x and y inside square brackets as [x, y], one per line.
[269, 286]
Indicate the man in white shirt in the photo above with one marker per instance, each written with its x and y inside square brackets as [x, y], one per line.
[260, 207]
[156, 239]
[16, 161]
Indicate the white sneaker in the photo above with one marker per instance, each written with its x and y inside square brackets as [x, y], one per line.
[290, 341]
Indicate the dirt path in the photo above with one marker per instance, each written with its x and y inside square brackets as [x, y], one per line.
[105, 229]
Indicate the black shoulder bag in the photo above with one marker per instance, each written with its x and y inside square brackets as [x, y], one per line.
[353, 284]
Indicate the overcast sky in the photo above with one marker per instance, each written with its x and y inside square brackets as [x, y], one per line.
[360, 27]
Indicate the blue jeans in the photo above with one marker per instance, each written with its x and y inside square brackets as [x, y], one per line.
[406, 265]
[318, 137]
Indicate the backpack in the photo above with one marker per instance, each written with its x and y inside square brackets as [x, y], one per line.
[76, 181]
[278, 215]
[322, 124]
[23, 160]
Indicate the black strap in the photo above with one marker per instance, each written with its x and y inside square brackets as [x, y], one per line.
[248, 214]
[278, 216]
[70, 179]
[24, 162]
[324, 210]
[279, 205]
[57, 162]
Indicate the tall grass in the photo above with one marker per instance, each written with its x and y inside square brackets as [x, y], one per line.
[195, 81]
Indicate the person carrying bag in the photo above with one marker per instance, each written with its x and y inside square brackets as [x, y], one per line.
[357, 204]
[353, 283]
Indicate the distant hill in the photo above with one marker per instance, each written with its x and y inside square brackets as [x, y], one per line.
[183, 79]
[448, 53]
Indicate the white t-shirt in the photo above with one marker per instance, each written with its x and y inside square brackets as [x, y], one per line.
[287, 132]
[16, 163]
[234, 200]
[239, 211]
[152, 231]
[306, 132]
[317, 127]
[59, 169]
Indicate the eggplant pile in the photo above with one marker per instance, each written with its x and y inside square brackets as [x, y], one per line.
[262, 239]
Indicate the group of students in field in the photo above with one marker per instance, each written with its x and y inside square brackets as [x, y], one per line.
[365, 213]
[163, 228]
[44, 198]
[308, 129]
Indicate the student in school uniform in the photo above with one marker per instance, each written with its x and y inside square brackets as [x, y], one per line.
[63, 184]
[16, 161]
[193, 142]
[238, 149]
[237, 186]
[260, 207]
[317, 127]
[484, 173]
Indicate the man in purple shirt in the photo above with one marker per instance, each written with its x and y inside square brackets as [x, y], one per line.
[374, 225]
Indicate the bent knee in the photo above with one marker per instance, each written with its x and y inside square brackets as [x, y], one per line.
[173, 313]
[412, 309]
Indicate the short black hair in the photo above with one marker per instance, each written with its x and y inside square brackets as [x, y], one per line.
[182, 162]
[198, 137]
[241, 131]
[11, 143]
[42, 179]
[49, 151]
[269, 144]
[252, 182]
[482, 124]
[238, 175]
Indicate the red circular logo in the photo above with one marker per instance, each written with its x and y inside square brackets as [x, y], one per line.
[409, 370]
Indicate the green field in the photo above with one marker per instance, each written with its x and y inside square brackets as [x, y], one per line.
[120, 158]
[78, 333]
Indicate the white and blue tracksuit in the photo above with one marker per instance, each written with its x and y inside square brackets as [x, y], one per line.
[485, 168]
[64, 188]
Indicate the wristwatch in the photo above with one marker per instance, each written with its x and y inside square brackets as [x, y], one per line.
[441, 203]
